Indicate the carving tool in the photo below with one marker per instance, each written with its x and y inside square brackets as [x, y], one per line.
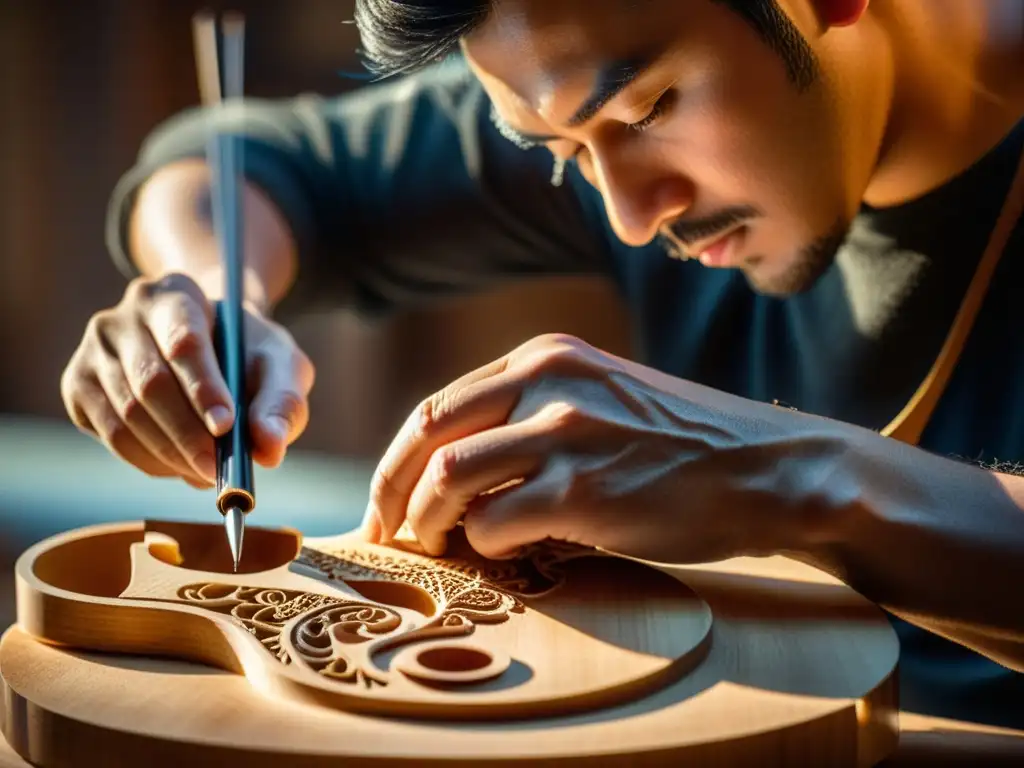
[236, 496]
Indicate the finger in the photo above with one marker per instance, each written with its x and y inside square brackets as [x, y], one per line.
[279, 412]
[71, 396]
[133, 413]
[114, 433]
[460, 471]
[455, 412]
[155, 385]
[501, 525]
[182, 330]
[369, 529]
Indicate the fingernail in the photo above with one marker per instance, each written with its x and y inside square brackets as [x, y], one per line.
[218, 419]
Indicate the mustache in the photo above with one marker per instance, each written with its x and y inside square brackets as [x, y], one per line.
[690, 231]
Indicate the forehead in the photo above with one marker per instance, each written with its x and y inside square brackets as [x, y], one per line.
[529, 48]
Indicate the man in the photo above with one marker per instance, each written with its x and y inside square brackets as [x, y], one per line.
[838, 171]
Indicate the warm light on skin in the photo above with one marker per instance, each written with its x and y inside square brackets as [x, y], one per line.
[880, 125]
[736, 131]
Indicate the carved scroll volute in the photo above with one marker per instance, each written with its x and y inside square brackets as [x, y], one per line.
[321, 630]
[310, 618]
[379, 629]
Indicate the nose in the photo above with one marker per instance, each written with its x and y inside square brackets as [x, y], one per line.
[640, 194]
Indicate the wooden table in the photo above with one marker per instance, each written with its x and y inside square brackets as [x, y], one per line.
[319, 496]
[924, 741]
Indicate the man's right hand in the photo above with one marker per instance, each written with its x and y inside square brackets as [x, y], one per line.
[145, 381]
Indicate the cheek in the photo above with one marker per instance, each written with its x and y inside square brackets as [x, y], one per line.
[750, 138]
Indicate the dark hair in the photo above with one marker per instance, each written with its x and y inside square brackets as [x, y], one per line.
[401, 36]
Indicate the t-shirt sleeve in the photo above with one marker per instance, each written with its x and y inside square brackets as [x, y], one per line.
[397, 194]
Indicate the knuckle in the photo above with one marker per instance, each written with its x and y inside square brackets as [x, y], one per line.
[560, 340]
[131, 410]
[442, 470]
[546, 340]
[100, 325]
[431, 413]
[289, 405]
[184, 341]
[146, 288]
[555, 358]
[152, 378]
[425, 418]
[563, 416]
[382, 488]
[176, 281]
[116, 434]
[139, 290]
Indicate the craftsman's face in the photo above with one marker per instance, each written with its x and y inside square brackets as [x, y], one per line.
[716, 145]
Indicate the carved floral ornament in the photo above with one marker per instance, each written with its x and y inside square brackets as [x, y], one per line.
[321, 632]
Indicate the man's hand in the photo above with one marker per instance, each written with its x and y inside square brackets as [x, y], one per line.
[607, 454]
[145, 382]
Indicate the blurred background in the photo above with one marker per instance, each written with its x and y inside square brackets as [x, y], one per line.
[83, 83]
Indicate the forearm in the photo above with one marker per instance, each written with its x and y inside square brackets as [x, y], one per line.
[393, 196]
[937, 542]
[170, 229]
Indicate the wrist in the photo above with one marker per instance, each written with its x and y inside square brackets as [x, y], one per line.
[869, 492]
[819, 491]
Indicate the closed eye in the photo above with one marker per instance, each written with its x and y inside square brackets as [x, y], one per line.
[531, 141]
[658, 111]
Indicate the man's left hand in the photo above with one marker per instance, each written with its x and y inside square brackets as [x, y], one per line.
[588, 448]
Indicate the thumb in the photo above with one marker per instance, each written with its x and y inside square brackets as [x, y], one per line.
[279, 411]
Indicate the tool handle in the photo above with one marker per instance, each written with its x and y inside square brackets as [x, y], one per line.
[235, 487]
[218, 83]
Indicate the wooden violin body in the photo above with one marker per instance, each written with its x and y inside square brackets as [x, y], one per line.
[335, 651]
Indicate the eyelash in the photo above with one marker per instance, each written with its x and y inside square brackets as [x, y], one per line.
[661, 106]
[658, 111]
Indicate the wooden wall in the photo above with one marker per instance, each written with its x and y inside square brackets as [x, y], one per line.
[83, 82]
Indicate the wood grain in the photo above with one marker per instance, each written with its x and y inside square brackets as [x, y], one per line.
[752, 661]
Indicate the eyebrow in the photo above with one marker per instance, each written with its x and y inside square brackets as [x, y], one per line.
[612, 80]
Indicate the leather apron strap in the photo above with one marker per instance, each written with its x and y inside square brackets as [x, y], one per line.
[910, 424]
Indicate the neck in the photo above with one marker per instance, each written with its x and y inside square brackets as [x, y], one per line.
[958, 90]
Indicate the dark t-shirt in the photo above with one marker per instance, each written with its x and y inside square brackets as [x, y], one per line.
[405, 193]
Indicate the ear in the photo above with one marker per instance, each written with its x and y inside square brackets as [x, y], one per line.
[840, 13]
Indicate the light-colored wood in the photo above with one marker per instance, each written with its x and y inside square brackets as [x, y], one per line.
[343, 623]
[924, 742]
[746, 662]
